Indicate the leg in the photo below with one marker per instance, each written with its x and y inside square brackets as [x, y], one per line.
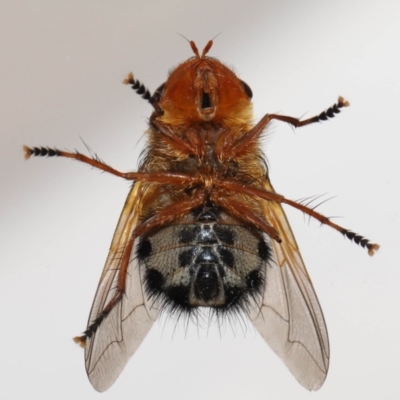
[243, 213]
[123, 269]
[167, 215]
[170, 213]
[138, 87]
[227, 149]
[156, 177]
[193, 145]
[271, 196]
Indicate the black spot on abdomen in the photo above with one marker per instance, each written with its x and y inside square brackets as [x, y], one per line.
[144, 248]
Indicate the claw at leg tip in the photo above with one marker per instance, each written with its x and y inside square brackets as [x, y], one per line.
[81, 340]
[371, 250]
[27, 152]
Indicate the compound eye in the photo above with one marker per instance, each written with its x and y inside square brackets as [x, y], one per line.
[247, 89]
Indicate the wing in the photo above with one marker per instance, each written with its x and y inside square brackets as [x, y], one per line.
[121, 332]
[290, 318]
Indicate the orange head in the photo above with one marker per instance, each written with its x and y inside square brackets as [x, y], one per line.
[203, 89]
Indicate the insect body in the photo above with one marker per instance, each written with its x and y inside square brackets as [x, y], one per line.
[203, 227]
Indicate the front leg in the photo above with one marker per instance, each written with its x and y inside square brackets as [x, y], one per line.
[227, 148]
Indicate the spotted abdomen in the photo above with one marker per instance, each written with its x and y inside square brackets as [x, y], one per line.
[206, 260]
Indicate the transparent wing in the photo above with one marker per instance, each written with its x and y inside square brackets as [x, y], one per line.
[290, 318]
[121, 332]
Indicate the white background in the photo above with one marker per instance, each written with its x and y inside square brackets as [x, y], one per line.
[62, 63]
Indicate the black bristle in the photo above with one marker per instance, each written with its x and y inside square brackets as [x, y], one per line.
[140, 89]
[335, 108]
[52, 152]
[330, 113]
[322, 116]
